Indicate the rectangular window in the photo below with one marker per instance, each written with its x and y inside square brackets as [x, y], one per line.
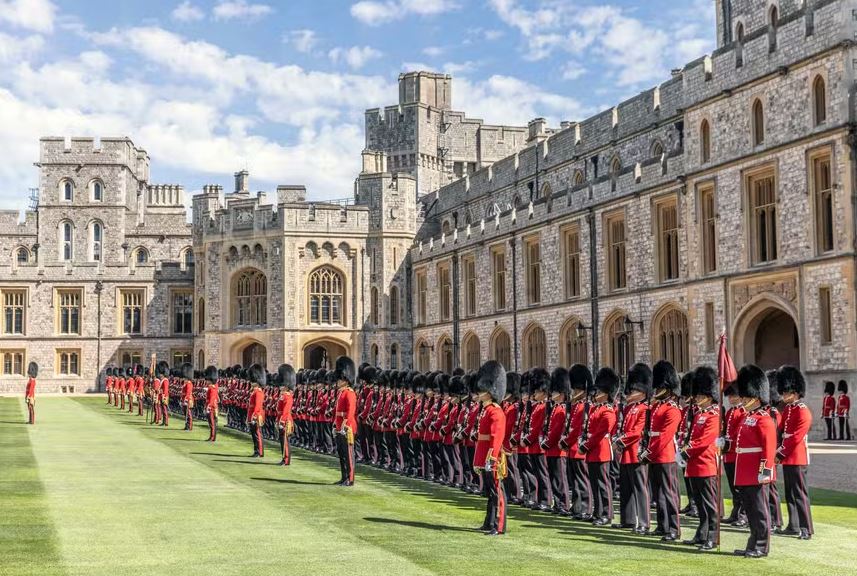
[822, 189]
[667, 240]
[533, 256]
[445, 286]
[182, 313]
[469, 265]
[180, 357]
[824, 312]
[13, 362]
[571, 257]
[68, 362]
[763, 215]
[132, 311]
[498, 264]
[616, 252]
[129, 358]
[709, 327]
[14, 308]
[422, 296]
[708, 215]
[69, 311]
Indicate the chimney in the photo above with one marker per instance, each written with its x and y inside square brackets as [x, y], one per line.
[242, 182]
[537, 130]
[374, 162]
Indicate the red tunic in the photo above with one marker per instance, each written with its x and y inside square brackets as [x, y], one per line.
[756, 447]
[284, 408]
[471, 423]
[702, 449]
[797, 421]
[734, 417]
[602, 420]
[346, 410]
[556, 430]
[510, 410]
[489, 443]
[187, 391]
[632, 432]
[138, 389]
[447, 431]
[31, 388]
[828, 408]
[256, 404]
[416, 415]
[165, 389]
[212, 397]
[532, 436]
[843, 405]
[575, 429]
[666, 419]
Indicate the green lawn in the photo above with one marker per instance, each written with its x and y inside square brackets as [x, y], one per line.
[89, 490]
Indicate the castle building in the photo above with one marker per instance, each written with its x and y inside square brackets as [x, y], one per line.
[720, 201]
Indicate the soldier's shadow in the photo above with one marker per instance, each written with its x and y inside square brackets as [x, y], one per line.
[425, 525]
[290, 481]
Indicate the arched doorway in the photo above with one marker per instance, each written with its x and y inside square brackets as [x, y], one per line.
[254, 353]
[767, 335]
[322, 354]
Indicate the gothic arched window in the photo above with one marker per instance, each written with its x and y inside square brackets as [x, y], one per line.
[326, 296]
[250, 299]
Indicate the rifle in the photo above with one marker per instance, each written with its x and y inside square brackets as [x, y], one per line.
[516, 427]
[643, 448]
[549, 406]
[524, 441]
[584, 435]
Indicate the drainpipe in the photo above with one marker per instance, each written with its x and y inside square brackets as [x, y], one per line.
[456, 292]
[593, 287]
[99, 287]
[514, 245]
[409, 286]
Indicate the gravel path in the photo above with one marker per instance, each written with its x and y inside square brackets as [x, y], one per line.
[833, 465]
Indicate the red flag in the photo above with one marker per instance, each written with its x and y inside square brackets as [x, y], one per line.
[725, 366]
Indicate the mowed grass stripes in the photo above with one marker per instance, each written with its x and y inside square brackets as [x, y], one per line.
[96, 491]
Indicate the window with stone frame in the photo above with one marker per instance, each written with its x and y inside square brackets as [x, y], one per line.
[468, 265]
[710, 330]
[182, 308]
[616, 265]
[97, 235]
[764, 245]
[571, 261]
[394, 356]
[574, 345]
[535, 348]
[373, 306]
[180, 357]
[472, 354]
[498, 277]
[821, 179]
[374, 355]
[68, 363]
[423, 357]
[444, 286]
[421, 284]
[533, 266]
[758, 123]
[326, 298]
[501, 349]
[445, 357]
[708, 228]
[200, 328]
[825, 315]
[620, 340]
[13, 362]
[394, 305]
[69, 311]
[67, 235]
[819, 101]
[130, 358]
[14, 311]
[672, 339]
[667, 239]
[132, 303]
[705, 142]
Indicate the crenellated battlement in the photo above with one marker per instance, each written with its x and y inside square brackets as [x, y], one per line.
[168, 195]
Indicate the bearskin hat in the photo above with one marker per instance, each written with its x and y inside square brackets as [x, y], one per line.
[639, 380]
[843, 387]
[540, 380]
[790, 379]
[580, 377]
[458, 371]
[664, 377]
[456, 386]
[705, 382]
[138, 370]
[344, 369]
[513, 384]
[211, 374]
[560, 382]
[32, 369]
[419, 384]
[287, 376]
[441, 382]
[491, 378]
[775, 397]
[187, 371]
[607, 382]
[129, 371]
[257, 375]
[752, 383]
[730, 390]
[687, 384]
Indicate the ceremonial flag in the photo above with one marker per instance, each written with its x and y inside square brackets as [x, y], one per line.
[725, 367]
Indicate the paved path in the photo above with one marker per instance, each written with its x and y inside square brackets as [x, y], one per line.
[833, 465]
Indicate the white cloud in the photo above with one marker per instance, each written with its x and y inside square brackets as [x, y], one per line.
[573, 71]
[303, 40]
[240, 10]
[187, 12]
[375, 13]
[356, 57]
[14, 49]
[433, 51]
[37, 15]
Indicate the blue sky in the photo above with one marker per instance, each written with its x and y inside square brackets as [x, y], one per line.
[208, 87]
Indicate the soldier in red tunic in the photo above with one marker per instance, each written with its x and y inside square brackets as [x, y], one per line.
[598, 448]
[576, 417]
[828, 409]
[108, 384]
[792, 453]
[345, 418]
[187, 395]
[164, 392]
[30, 392]
[843, 408]
[139, 389]
[256, 408]
[560, 389]
[512, 411]
[287, 379]
[734, 416]
[489, 458]
[755, 466]
[701, 455]
[532, 436]
[633, 474]
[212, 401]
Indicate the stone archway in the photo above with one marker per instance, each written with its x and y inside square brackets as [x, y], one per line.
[322, 354]
[254, 353]
[766, 334]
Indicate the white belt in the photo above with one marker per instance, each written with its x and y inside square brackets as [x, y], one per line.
[748, 450]
[654, 434]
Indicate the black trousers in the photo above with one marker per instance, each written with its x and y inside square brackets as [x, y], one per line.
[578, 482]
[417, 448]
[256, 435]
[512, 481]
[528, 477]
[452, 461]
[691, 498]
[797, 498]
[602, 490]
[705, 494]
[844, 428]
[831, 433]
[737, 506]
[755, 500]
[345, 451]
[634, 495]
[559, 482]
[540, 469]
[495, 513]
[665, 492]
[774, 504]
[392, 441]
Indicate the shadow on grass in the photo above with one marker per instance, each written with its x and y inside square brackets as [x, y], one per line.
[256, 463]
[424, 525]
[290, 481]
